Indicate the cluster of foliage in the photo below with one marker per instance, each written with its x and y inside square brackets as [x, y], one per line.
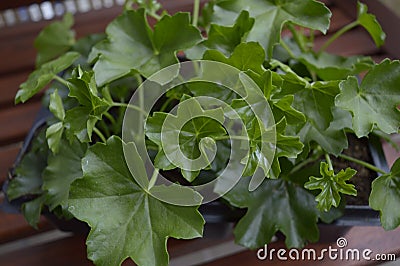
[76, 167]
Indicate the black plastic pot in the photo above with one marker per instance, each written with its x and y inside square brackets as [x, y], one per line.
[219, 217]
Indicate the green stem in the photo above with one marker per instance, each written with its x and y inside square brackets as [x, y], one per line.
[105, 128]
[98, 133]
[328, 161]
[299, 166]
[133, 107]
[196, 9]
[286, 47]
[315, 156]
[365, 164]
[297, 38]
[110, 117]
[61, 80]
[338, 34]
[231, 137]
[153, 178]
[165, 104]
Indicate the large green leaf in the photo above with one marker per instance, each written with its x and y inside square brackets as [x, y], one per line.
[132, 46]
[274, 206]
[62, 169]
[271, 15]
[193, 125]
[55, 39]
[331, 185]
[375, 101]
[43, 75]
[126, 220]
[385, 197]
[223, 38]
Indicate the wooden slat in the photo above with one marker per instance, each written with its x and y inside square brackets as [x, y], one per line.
[7, 157]
[17, 3]
[14, 226]
[65, 252]
[16, 43]
[15, 122]
[9, 85]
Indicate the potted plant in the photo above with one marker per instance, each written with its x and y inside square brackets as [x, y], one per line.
[135, 135]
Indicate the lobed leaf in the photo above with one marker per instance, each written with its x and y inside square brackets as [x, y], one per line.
[270, 16]
[331, 186]
[126, 221]
[385, 197]
[268, 209]
[375, 101]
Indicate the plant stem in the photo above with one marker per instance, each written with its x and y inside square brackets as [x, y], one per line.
[165, 104]
[196, 9]
[360, 162]
[110, 117]
[133, 107]
[286, 47]
[98, 133]
[338, 34]
[301, 165]
[231, 137]
[61, 80]
[298, 39]
[105, 128]
[329, 162]
[153, 178]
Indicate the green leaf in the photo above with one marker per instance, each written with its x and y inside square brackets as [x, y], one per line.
[55, 39]
[315, 100]
[246, 56]
[331, 186]
[385, 197]
[56, 105]
[55, 131]
[193, 125]
[286, 146]
[282, 108]
[132, 46]
[79, 123]
[333, 140]
[334, 67]
[84, 89]
[61, 170]
[271, 15]
[28, 174]
[126, 221]
[39, 78]
[33, 209]
[369, 22]
[54, 135]
[222, 38]
[268, 209]
[81, 120]
[375, 101]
